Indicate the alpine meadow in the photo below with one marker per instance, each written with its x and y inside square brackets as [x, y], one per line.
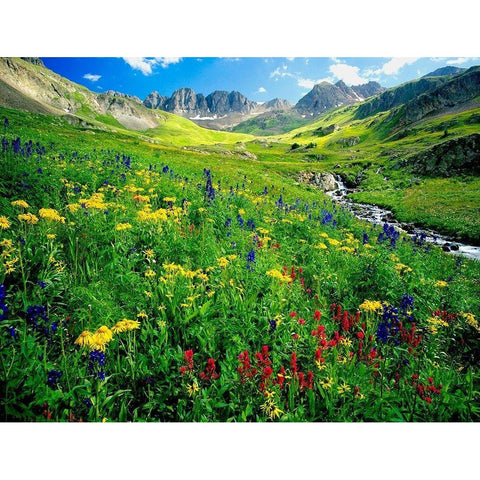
[203, 257]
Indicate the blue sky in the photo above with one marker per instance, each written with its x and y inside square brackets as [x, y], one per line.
[260, 79]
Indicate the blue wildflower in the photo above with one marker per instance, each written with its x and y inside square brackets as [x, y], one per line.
[53, 378]
[273, 325]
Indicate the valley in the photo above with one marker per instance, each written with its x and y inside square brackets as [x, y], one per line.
[155, 270]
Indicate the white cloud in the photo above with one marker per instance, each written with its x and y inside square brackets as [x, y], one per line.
[308, 83]
[261, 90]
[278, 73]
[166, 61]
[459, 60]
[92, 78]
[348, 73]
[141, 63]
[305, 82]
[145, 65]
[393, 66]
[290, 59]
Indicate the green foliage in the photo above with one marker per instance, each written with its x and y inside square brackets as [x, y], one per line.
[129, 247]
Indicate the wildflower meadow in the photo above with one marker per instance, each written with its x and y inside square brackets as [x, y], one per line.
[164, 286]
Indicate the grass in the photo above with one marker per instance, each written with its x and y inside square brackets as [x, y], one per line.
[155, 267]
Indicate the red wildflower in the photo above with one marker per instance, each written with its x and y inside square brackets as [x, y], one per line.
[301, 321]
[317, 315]
[293, 314]
[293, 363]
[360, 335]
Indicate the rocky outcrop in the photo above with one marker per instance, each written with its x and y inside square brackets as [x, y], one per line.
[323, 131]
[324, 181]
[348, 141]
[34, 60]
[459, 155]
[113, 93]
[155, 101]
[458, 90]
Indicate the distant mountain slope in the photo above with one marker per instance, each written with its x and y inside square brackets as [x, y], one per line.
[396, 96]
[29, 86]
[325, 96]
[272, 123]
[456, 91]
[25, 84]
[449, 70]
[187, 103]
[219, 110]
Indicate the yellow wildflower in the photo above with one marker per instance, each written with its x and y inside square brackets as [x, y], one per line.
[241, 211]
[20, 203]
[84, 339]
[123, 226]
[51, 214]
[142, 315]
[192, 389]
[126, 325]
[28, 218]
[4, 223]
[73, 207]
[371, 306]
[327, 383]
[148, 253]
[402, 269]
[170, 199]
[341, 389]
[100, 338]
[150, 273]
[222, 262]
[6, 243]
[51, 236]
[278, 275]
[441, 284]
[9, 265]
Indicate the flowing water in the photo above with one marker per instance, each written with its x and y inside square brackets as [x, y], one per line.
[379, 216]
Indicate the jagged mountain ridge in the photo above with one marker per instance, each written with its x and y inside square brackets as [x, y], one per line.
[186, 102]
[325, 96]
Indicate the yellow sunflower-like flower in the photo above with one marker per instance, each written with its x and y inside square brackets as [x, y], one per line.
[371, 306]
[123, 226]
[100, 338]
[51, 214]
[125, 325]
[4, 223]
[28, 218]
[84, 339]
[20, 203]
